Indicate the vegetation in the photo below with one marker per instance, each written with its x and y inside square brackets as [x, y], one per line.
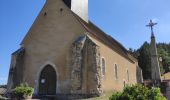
[164, 53]
[138, 92]
[105, 96]
[3, 98]
[143, 56]
[23, 90]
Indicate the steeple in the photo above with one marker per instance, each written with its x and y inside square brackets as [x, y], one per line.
[79, 7]
[155, 68]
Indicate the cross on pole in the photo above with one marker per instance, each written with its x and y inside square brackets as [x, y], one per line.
[151, 24]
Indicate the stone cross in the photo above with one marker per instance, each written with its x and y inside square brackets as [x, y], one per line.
[155, 68]
[151, 24]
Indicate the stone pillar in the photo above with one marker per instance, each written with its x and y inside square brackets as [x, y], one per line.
[86, 69]
[76, 74]
[155, 68]
[16, 69]
[168, 91]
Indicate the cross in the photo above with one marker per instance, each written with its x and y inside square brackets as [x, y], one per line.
[151, 24]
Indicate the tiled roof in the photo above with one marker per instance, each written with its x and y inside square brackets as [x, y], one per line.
[105, 38]
[166, 76]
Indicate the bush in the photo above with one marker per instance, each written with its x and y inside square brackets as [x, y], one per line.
[138, 92]
[23, 90]
[116, 96]
[155, 94]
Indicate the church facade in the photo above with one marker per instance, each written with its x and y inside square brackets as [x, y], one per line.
[65, 53]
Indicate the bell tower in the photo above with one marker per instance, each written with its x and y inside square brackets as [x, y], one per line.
[79, 7]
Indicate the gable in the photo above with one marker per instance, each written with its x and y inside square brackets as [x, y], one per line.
[57, 20]
[54, 18]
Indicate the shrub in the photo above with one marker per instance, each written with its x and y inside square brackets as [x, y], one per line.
[155, 94]
[23, 90]
[116, 96]
[138, 92]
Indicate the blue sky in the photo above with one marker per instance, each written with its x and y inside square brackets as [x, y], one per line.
[124, 20]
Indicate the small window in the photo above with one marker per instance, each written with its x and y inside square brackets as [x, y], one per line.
[116, 71]
[127, 74]
[103, 66]
[67, 2]
[124, 83]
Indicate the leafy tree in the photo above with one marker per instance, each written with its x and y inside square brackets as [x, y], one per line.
[164, 53]
[144, 58]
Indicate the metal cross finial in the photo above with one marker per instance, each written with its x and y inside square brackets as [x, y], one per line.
[151, 24]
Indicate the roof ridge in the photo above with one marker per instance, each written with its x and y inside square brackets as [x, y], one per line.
[110, 39]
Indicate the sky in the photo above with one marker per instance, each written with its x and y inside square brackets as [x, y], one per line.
[124, 20]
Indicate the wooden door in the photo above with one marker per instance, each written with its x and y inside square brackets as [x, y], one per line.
[47, 81]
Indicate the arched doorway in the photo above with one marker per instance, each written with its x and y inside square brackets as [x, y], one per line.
[47, 81]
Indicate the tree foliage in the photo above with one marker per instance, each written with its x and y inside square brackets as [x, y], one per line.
[138, 92]
[164, 53]
[144, 58]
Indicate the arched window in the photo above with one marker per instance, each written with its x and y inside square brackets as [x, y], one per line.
[127, 74]
[124, 83]
[103, 66]
[116, 71]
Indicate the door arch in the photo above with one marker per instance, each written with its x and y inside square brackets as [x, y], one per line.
[47, 81]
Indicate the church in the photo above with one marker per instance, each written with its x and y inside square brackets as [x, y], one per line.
[65, 53]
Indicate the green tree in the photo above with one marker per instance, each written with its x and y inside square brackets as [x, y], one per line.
[144, 60]
[164, 53]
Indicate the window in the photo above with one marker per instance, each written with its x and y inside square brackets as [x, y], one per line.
[127, 74]
[68, 3]
[124, 83]
[103, 66]
[116, 73]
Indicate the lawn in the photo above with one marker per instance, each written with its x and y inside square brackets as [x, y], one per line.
[103, 97]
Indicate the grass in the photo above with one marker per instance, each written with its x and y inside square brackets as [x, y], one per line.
[103, 97]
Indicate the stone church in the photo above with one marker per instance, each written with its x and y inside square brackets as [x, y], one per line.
[65, 53]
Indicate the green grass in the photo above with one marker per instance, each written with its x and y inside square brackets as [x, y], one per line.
[105, 96]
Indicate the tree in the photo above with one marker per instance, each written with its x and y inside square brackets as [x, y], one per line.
[144, 60]
[164, 53]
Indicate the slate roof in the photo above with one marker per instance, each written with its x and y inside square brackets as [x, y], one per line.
[105, 38]
[18, 51]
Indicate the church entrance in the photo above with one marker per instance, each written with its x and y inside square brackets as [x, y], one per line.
[47, 81]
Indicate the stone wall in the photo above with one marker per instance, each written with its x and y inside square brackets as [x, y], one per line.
[139, 75]
[168, 91]
[86, 72]
[16, 69]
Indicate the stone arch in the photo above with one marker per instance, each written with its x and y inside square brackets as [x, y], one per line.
[39, 74]
[47, 81]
